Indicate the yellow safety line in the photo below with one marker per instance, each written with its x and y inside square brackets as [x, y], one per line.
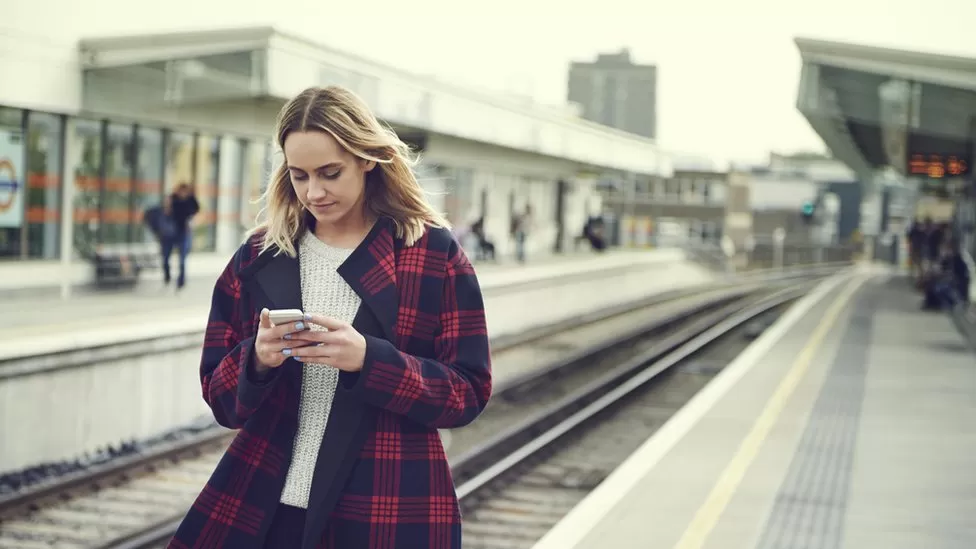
[708, 515]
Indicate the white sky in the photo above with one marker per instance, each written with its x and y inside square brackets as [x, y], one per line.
[728, 70]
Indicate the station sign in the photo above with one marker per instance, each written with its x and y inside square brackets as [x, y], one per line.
[937, 166]
[12, 189]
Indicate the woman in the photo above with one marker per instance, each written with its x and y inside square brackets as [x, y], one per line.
[338, 414]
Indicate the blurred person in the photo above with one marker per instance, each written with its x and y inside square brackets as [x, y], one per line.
[917, 236]
[949, 281]
[593, 231]
[933, 243]
[339, 413]
[485, 247]
[180, 207]
[157, 219]
[520, 231]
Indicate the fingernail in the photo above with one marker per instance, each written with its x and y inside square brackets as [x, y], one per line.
[286, 352]
[286, 336]
[300, 326]
[308, 316]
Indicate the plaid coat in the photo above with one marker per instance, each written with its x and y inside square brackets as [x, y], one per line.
[382, 479]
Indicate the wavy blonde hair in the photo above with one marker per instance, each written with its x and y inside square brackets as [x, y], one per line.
[392, 189]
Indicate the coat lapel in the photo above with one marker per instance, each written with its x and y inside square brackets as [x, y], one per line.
[278, 277]
[371, 272]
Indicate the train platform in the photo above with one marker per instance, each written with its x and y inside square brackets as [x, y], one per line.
[76, 363]
[849, 423]
[95, 318]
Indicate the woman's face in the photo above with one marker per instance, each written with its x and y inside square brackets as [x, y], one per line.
[328, 180]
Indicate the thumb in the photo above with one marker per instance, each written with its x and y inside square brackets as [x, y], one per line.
[265, 318]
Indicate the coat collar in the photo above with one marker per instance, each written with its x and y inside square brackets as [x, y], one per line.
[370, 270]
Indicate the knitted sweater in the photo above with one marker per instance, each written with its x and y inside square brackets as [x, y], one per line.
[324, 292]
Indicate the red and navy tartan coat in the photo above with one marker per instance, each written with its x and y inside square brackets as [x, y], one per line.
[382, 479]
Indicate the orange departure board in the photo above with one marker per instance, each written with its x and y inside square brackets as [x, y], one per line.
[937, 166]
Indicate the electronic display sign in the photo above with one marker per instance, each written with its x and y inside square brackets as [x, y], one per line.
[937, 166]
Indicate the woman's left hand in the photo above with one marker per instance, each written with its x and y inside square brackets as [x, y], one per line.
[341, 346]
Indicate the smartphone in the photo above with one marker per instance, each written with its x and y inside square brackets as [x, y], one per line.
[284, 316]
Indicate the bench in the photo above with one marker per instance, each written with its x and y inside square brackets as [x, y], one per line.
[119, 266]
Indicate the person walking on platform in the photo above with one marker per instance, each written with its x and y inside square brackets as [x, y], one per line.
[180, 207]
[520, 230]
[338, 409]
[917, 237]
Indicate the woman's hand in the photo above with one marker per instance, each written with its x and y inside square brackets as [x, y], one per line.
[341, 346]
[273, 344]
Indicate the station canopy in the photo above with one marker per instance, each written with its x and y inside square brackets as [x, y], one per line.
[882, 110]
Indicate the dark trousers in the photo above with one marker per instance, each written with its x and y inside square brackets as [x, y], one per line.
[180, 241]
[286, 529]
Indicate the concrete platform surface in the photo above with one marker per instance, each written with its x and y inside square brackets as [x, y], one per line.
[49, 324]
[851, 423]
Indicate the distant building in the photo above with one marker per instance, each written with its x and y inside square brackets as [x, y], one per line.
[616, 92]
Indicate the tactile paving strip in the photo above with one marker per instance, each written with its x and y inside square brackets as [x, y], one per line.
[810, 506]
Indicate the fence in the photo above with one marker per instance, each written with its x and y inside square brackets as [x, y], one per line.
[767, 253]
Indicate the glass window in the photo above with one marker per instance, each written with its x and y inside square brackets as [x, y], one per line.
[179, 161]
[116, 204]
[11, 181]
[87, 169]
[148, 186]
[257, 177]
[206, 189]
[44, 139]
[235, 162]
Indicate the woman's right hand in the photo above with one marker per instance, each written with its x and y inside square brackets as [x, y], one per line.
[270, 345]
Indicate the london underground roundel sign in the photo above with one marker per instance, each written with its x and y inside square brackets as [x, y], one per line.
[9, 186]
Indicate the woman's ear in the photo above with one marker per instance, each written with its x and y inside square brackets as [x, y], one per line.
[369, 165]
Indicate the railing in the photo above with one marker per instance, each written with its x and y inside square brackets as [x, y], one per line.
[767, 253]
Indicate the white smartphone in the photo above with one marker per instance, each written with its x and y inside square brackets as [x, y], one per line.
[284, 316]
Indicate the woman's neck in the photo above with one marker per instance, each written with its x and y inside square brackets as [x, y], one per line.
[346, 233]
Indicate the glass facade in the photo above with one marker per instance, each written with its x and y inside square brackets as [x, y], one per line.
[116, 217]
[206, 186]
[86, 206]
[45, 142]
[148, 184]
[101, 175]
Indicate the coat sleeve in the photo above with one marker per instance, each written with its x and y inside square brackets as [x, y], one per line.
[230, 386]
[451, 389]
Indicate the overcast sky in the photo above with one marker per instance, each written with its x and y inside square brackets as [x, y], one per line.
[728, 70]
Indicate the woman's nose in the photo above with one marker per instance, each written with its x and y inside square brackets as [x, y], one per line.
[316, 189]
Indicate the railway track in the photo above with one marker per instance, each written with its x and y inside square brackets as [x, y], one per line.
[525, 480]
[136, 502]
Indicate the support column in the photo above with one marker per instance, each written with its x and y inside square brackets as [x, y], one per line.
[871, 204]
[70, 155]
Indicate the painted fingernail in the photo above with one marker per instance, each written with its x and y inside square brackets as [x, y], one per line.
[286, 352]
[308, 316]
[286, 336]
[300, 326]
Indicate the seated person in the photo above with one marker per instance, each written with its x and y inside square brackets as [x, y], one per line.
[948, 280]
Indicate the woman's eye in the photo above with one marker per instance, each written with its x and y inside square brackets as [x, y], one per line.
[332, 175]
[298, 177]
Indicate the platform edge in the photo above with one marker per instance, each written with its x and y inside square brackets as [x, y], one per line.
[588, 513]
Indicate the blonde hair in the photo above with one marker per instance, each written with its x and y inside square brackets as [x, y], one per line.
[392, 189]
